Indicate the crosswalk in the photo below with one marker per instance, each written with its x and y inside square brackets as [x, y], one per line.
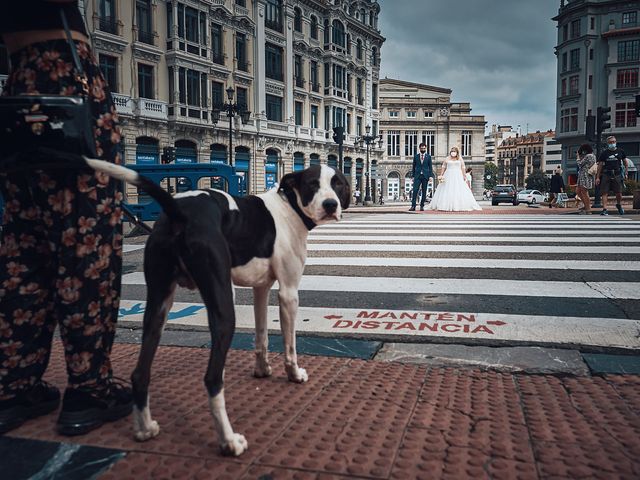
[516, 279]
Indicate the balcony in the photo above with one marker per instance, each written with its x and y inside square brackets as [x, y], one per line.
[243, 65]
[315, 87]
[108, 24]
[274, 25]
[217, 57]
[153, 109]
[123, 103]
[300, 82]
[146, 37]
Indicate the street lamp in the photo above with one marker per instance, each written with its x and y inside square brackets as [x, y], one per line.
[360, 142]
[231, 109]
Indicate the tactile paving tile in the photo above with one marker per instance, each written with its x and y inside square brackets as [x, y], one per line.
[463, 422]
[170, 467]
[579, 427]
[354, 427]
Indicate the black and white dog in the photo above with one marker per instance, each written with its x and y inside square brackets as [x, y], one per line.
[210, 240]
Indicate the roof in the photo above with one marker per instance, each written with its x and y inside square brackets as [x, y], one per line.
[403, 83]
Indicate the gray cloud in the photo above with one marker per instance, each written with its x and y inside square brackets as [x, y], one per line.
[495, 54]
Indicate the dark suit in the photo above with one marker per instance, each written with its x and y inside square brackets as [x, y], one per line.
[422, 171]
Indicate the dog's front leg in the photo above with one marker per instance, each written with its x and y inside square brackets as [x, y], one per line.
[288, 298]
[260, 305]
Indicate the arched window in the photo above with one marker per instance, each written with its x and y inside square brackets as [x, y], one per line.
[273, 15]
[374, 56]
[297, 19]
[371, 16]
[271, 169]
[314, 27]
[338, 37]
[298, 161]
[218, 153]
[314, 159]
[359, 49]
[243, 157]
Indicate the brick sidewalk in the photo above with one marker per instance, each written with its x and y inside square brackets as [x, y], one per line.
[368, 419]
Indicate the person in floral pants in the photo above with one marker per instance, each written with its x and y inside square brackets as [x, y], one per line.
[60, 261]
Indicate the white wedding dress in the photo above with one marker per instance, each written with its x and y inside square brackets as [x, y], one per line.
[453, 194]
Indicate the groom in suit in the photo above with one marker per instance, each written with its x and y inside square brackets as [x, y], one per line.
[422, 171]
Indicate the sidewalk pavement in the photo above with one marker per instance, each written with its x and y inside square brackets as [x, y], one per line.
[353, 419]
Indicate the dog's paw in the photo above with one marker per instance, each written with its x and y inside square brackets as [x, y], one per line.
[149, 431]
[262, 370]
[297, 374]
[235, 446]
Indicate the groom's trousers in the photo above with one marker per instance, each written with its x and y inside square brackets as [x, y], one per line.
[419, 182]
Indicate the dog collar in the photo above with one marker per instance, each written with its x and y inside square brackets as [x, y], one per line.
[290, 196]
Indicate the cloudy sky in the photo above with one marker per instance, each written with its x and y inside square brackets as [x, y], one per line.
[495, 54]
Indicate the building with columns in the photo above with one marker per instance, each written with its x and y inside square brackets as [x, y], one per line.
[413, 113]
[301, 67]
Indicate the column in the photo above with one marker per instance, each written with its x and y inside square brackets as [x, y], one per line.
[259, 68]
[289, 71]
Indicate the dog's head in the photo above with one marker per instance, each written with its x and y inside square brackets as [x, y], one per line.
[322, 193]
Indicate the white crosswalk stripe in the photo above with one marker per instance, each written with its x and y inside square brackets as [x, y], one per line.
[432, 277]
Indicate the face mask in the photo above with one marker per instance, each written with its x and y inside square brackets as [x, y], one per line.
[612, 146]
[454, 154]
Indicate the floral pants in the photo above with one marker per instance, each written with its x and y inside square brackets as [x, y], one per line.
[61, 244]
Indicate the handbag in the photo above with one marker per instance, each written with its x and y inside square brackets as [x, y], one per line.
[59, 122]
[593, 169]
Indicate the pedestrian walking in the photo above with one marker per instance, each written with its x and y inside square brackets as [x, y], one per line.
[557, 187]
[61, 245]
[357, 195]
[610, 174]
[585, 160]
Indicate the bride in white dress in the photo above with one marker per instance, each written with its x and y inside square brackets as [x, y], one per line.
[453, 194]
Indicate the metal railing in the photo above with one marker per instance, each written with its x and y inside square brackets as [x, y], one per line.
[108, 24]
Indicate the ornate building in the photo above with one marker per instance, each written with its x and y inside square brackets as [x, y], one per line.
[412, 113]
[301, 67]
[519, 156]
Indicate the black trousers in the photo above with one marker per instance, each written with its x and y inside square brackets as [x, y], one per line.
[418, 182]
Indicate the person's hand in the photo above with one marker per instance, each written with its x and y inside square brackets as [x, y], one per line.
[597, 181]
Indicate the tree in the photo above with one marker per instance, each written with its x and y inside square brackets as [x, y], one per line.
[538, 181]
[490, 175]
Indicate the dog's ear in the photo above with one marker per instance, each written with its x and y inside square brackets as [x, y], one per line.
[291, 181]
[342, 188]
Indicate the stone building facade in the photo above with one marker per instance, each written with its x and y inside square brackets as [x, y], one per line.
[300, 67]
[517, 157]
[412, 113]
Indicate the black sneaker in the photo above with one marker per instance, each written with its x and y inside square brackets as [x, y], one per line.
[41, 399]
[83, 411]
[620, 209]
[412, 209]
[604, 213]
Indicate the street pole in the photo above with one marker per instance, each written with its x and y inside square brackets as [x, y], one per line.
[367, 195]
[367, 140]
[229, 114]
[231, 109]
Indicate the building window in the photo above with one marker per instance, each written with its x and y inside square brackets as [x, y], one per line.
[314, 27]
[193, 88]
[107, 20]
[314, 116]
[298, 113]
[338, 116]
[313, 73]
[359, 49]
[428, 114]
[590, 82]
[629, 19]
[326, 31]
[628, 51]
[297, 71]
[217, 94]
[625, 114]
[374, 96]
[241, 52]
[273, 55]
[326, 118]
[145, 81]
[429, 139]
[574, 59]
[359, 126]
[569, 119]
[410, 142]
[393, 143]
[591, 54]
[274, 108]
[563, 87]
[242, 98]
[575, 28]
[627, 78]
[573, 84]
[191, 24]
[564, 62]
[565, 32]
[593, 22]
[109, 68]
[297, 19]
[216, 44]
[411, 114]
[394, 114]
[273, 15]
[242, 3]
[466, 143]
[348, 123]
[143, 21]
[338, 36]
[359, 95]
[374, 56]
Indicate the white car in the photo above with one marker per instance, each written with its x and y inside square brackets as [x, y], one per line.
[530, 196]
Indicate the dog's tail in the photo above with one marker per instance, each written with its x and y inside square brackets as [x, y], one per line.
[164, 198]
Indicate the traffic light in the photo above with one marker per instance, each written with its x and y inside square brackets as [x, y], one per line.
[168, 154]
[338, 135]
[590, 128]
[603, 120]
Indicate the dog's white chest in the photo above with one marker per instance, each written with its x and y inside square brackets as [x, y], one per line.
[252, 274]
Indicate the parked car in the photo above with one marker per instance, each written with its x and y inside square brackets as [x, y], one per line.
[530, 196]
[504, 193]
